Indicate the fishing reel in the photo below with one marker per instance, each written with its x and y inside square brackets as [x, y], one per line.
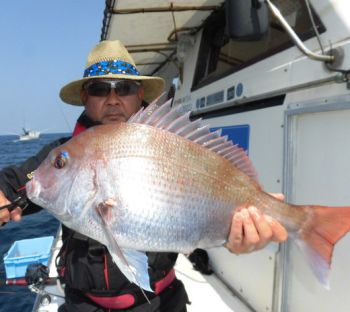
[37, 275]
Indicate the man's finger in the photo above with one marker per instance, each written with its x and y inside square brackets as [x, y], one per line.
[279, 233]
[251, 236]
[279, 196]
[4, 215]
[262, 227]
[16, 214]
[236, 235]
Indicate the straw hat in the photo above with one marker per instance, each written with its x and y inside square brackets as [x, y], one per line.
[110, 59]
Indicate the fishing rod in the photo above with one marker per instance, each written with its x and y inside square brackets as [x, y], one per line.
[18, 202]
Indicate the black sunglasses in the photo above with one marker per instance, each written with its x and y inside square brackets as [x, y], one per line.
[102, 88]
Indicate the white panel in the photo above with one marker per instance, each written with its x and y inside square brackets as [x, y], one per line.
[252, 275]
[265, 142]
[320, 175]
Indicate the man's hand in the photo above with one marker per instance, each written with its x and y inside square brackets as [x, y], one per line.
[251, 230]
[5, 214]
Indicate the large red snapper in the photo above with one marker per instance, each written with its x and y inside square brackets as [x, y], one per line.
[163, 183]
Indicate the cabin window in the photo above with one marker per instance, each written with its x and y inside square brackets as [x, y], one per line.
[220, 56]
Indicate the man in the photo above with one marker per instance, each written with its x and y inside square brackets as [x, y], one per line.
[111, 91]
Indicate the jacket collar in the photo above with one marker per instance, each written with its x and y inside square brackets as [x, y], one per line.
[83, 123]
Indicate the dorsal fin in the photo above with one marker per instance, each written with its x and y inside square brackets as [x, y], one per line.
[208, 136]
[173, 120]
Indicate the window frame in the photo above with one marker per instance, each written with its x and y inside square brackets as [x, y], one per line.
[213, 24]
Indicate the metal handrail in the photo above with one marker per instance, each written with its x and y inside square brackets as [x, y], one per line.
[318, 57]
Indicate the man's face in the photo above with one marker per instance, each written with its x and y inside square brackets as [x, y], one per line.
[113, 106]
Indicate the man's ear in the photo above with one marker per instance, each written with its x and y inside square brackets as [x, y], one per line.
[83, 96]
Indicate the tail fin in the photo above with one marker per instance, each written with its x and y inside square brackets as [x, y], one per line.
[317, 238]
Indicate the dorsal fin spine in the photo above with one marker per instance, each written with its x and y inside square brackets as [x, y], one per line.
[178, 122]
[172, 120]
[166, 118]
[225, 151]
[231, 154]
[197, 133]
[221, 147]
[206, 137]
[135, 117]
[158, 114]
[189, 127]
[215, 142]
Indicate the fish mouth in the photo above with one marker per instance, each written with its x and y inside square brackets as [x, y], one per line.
[33, 190]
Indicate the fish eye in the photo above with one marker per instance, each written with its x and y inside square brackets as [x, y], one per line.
[60, 160]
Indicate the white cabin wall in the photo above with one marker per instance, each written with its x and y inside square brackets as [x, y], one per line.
[252, 276]
[255, 276]
[335, 16]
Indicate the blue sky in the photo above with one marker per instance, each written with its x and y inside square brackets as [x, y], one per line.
[43, 46]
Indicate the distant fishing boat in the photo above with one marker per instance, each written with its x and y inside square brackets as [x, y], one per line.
[29, 134]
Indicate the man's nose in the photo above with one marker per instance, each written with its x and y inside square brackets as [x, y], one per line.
[113, 97]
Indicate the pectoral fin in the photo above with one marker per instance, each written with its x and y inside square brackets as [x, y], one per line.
[137, 263]
[132, 263]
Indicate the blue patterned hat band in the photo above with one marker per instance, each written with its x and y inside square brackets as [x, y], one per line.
[111, 67]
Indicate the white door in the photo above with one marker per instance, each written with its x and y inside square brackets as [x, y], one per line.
[318, 153]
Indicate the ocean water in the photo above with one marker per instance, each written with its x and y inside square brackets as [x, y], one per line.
[12, 151]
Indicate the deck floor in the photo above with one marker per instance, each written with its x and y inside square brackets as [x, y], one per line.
[206, 292]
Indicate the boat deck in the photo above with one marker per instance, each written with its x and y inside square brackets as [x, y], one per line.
[207, 292]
